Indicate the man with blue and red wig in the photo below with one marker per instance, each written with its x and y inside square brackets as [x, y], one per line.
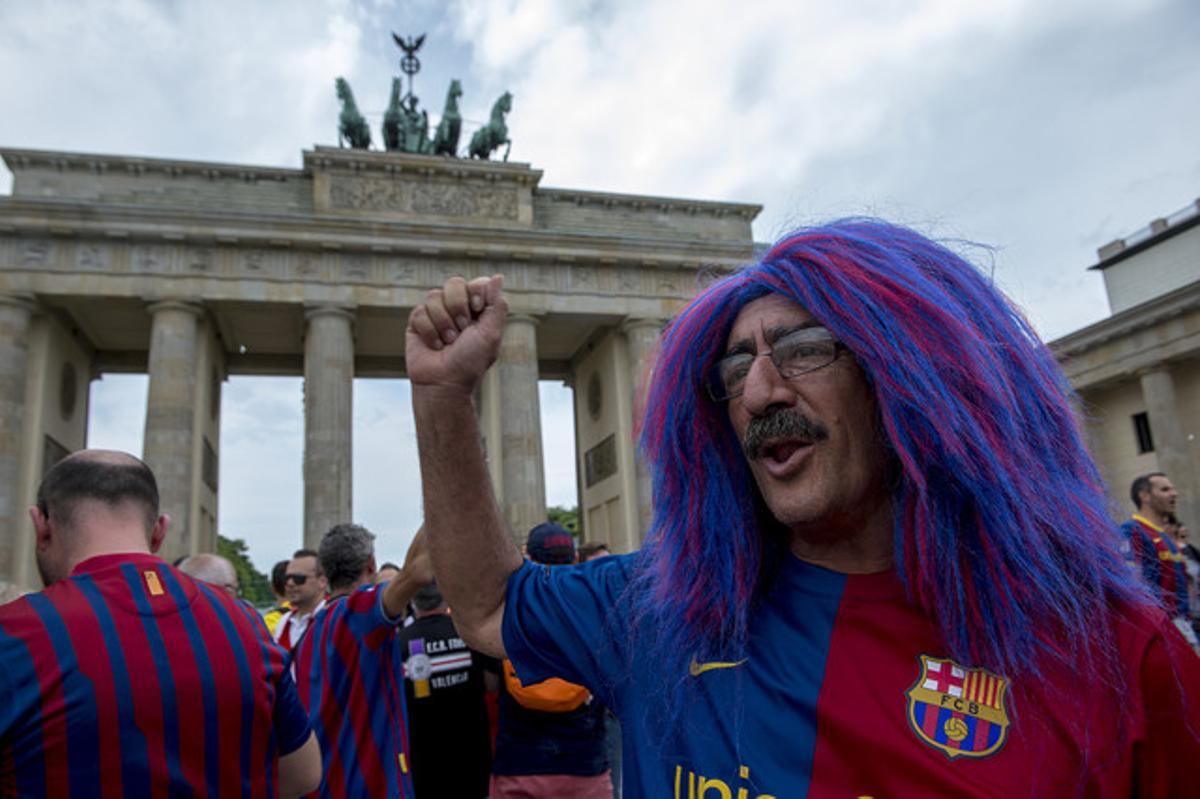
[880, 562]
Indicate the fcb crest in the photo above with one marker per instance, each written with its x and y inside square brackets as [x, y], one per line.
[958, 710]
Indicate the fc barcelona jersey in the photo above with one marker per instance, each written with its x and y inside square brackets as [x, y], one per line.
[132, 679]
[348, 670]
[844, 690]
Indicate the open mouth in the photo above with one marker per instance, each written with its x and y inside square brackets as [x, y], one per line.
[782, 450]
[784, 456]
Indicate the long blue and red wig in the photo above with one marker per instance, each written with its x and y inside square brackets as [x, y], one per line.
[1002, 534]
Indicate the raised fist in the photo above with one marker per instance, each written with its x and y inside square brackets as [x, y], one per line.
[454, 336]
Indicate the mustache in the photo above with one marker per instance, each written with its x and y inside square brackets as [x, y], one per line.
[783, 423]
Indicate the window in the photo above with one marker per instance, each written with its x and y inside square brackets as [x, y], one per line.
[1141, 428]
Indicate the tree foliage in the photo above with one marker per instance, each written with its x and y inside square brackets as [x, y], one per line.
[568, 518]
[255, 586]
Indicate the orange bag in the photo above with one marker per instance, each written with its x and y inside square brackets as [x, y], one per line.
[550, 696]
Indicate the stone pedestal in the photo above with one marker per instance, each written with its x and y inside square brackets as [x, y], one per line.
[641, 336]
[169, 439]
[1170, 442]
[523, 477]
[16, 313]
[328, 419]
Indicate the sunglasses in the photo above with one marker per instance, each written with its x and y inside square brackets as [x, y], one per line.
[298, 579]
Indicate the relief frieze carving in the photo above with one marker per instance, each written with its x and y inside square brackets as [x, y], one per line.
[307, 265]
[348, 193]
[628, 280]
[149, 258]
[583, 277]
[402, 272]
[355, 267]
[92, 257]
[198, 259]
[35, 252]
[370, 194]
[254, 261]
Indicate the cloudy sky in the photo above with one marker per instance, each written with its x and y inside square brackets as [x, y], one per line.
[1044, 130]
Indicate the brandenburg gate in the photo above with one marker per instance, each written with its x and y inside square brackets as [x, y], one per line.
[191, 272]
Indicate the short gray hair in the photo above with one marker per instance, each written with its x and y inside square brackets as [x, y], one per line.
[212, 569]
[344, 554]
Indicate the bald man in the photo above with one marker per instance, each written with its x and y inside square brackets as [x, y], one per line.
[212, 569]
[120, 652]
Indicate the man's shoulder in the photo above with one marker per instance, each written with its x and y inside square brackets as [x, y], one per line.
[18, 616]
[56, 600]
[1132, 528]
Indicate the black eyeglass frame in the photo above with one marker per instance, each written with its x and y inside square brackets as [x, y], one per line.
[298, 579]
[716, 385]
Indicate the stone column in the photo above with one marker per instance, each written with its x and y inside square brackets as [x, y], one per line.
[641, 335]
[524, 483]
[328, 419]
[488, 410]
[16, 313]
[1170, 442]
[170, 410]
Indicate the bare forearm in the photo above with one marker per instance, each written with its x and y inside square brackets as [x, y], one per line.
[399, 591]
[472, 551]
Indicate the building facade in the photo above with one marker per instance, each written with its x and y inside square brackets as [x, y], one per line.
[191, 272]
[1137, 372]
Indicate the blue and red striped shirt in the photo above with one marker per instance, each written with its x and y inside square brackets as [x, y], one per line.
[130, 678]
[1162, 564]
[346, 668]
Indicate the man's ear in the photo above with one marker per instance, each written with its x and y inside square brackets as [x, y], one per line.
[159, 532]
[43, 535]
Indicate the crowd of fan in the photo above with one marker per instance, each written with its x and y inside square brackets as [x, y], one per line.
[318, 713]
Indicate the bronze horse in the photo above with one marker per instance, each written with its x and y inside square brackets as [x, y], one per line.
[445, 140]
[352, 128]
[494, 133]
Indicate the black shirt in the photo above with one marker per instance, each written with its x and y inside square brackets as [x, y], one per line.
[447, 716]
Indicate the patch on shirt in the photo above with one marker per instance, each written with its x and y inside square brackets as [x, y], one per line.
[153, 585]
[958, 710]
[418, 668]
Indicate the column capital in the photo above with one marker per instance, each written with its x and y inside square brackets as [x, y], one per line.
[20, 300]
[1162, 367]
[527, 318]
[194, 307]
[312, 311]
[636, 322]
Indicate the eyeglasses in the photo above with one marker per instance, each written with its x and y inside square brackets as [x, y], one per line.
[796, 353]
[298, 579]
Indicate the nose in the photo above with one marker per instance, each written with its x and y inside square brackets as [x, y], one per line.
[765, 387]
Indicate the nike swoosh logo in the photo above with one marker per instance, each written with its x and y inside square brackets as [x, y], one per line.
[696, 669]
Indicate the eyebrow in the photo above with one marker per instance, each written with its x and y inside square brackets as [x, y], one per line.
[745, 346]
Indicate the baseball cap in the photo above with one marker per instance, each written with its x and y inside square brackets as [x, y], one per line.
[550, 543]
